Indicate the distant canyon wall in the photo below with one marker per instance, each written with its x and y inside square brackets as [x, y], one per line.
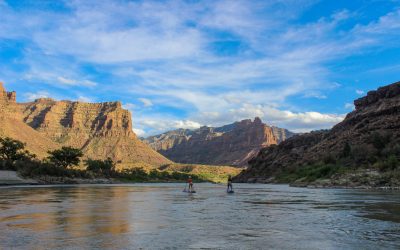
[234, 144]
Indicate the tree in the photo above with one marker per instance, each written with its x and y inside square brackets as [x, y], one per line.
[392, 162]
[105, 167]
[13, 150]
[380, 141]
[346, 150]
[65, 157]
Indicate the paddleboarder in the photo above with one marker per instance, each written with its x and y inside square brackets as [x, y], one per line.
[190, 181]
[230, 188]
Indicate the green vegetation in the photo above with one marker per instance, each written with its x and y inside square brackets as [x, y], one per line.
[65, 157]
[217, 174]
[13, 150]
[65, 163]
[380, 154]
[140, 175]
[13, 156]
[310, 173]
[106, 167]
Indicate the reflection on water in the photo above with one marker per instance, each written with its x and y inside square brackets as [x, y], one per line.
[161, 216]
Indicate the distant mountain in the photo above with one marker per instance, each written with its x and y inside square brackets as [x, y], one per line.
[101, 130]
[363, 149]
[232, 144]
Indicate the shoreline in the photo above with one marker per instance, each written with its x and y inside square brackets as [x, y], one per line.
[319, 186]
[11, 178]
[116, 182]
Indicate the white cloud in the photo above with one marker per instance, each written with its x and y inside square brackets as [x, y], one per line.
[152, 125]
[110, 32]
[54, 79]
[314, 94]
[187, 124]
[139, 132]
[360, 92]
[295, 121]
[73, 82]
[129, 106]
[82, 98]
[146, 102]
[349, 106]
[29, 96]
[162, 50]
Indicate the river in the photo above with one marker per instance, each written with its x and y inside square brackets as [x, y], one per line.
[161, 216]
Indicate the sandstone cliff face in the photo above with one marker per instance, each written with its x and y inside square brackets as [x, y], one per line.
[169, 139]
[64, 120]
[101, 130]
[281, 134]
[378, 112]
[6, 97]
[233, 144]
[12, 125]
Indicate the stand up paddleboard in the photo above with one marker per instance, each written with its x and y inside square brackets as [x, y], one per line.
[190, 192]
[187, 191]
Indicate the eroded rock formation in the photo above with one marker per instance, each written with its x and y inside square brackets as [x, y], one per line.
[232, 144]
[378, 112]
[12, 125]
[101, 130]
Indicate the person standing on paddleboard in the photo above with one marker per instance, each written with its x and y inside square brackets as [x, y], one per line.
[190, 181]
[230, 188]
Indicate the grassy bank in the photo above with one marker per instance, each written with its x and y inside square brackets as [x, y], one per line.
[65, 166]
[218, 174]
[172, 173]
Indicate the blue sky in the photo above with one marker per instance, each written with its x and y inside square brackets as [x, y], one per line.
[296, 64]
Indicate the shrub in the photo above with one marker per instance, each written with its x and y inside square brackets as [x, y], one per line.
[65, 157]
[7, 165]
[380, 140]
[135, 174]
[329, 159]
[12, 150]
[310, 172]
[391, 163]
[346, 150]
[106, 167]
[363, 153]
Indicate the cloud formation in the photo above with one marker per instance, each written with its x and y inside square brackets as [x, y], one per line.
[196, 63]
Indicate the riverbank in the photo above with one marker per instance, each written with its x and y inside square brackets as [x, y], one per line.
[12, 178]
[355, 179]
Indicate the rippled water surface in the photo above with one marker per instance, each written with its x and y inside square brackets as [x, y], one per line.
[159, 216]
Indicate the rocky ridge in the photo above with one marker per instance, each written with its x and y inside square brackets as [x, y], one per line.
[232, 144]
[376, 113]
[12, 125]
[101, 130]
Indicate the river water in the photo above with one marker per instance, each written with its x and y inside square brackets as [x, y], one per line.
[161, 216]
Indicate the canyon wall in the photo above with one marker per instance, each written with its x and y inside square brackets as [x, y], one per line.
[375, 120]
[12, 125]
[101, 130]
[232, 144]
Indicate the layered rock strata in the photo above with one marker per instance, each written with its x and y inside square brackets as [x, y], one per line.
[232, 144]
[376, 113]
